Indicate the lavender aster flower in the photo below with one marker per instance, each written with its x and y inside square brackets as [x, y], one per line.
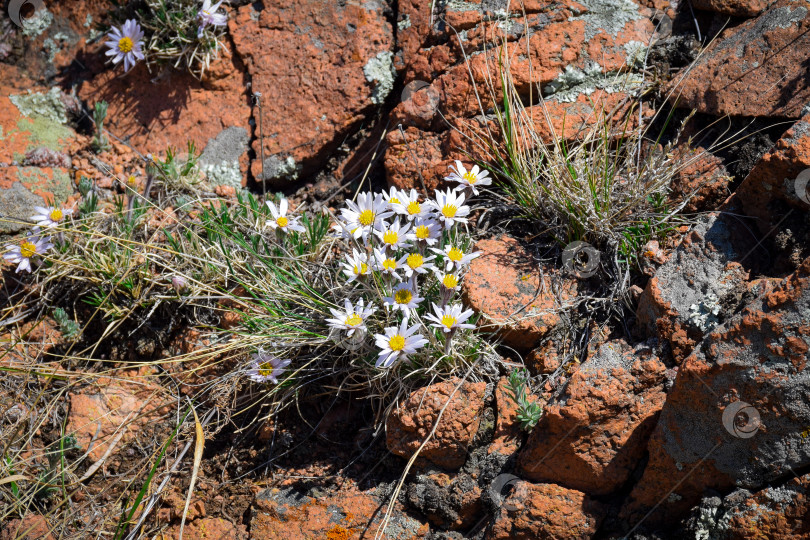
[208, 15]
[266, 367]
[125, 44]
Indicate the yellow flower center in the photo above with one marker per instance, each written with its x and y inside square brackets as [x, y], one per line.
[28, 250]
[362, 269]
[390, 264]
[449, 321]
[423, 232]
[450, 281]
[56, 214]
[282, 221]
[366, 218]
[403, 296]
[414, 208]
[131, 180]
[470, 177]
[125, 44]
[393, 200]
[390, 237]
[449, 210]
[396, 343]
[455, 254]
[414, 260]
[354, 320]
[266, 369]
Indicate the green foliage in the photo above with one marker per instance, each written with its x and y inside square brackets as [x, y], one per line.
[100, 142]
[529, 412]
[68, 327]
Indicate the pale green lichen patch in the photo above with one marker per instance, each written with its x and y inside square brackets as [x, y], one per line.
[43, 116]
[380, 71]
[56, 183]
[37, 23]
[574, 82]
[225, 173]
[48, 105]
[405, 23]
[610, 16]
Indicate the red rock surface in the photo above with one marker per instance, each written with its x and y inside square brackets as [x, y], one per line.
[31, 527]
[704, 263]
[311, 64]
[774, 512]
[409, 424]
[505, 286]
[546, 511]
[764, 57]
[284, 514]
[157, 112]
[753, 370]
[594, 436]
[703, 182]
[108, 407]
[770, 189]
[736, 8]
[445, 64]
[207, 529]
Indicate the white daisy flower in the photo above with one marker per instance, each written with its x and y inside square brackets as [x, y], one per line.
[450, 318]
[391, 197]
[366, 215]
[50, 216]
[208, 15]
[385, 264]
[425, 230]
[471, 179]
[454, 257]
[416, 263]
[31, 246]
[281, 220]
[352, 318]
[356, 265]
[403, 298]
[266, 367]
[398, 343]
[125, 44]
[450, 207]
[449, 281]
[394, 236]
[410, 206]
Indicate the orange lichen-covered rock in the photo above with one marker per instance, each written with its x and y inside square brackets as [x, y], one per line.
[347, 515]
[320, 68]
[592, 438]
[409, 424]
[761, 53]
[546, 511]
[106, 408]
[507, 288]
[736, 414]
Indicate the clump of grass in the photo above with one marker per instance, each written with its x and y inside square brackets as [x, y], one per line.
[173, 35]
[100, 142]
[607, 185]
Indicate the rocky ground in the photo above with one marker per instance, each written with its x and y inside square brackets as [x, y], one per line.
[688, 419]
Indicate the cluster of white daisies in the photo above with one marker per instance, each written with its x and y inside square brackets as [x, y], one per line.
[126, 43]
[395, 239]
[34, 244]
